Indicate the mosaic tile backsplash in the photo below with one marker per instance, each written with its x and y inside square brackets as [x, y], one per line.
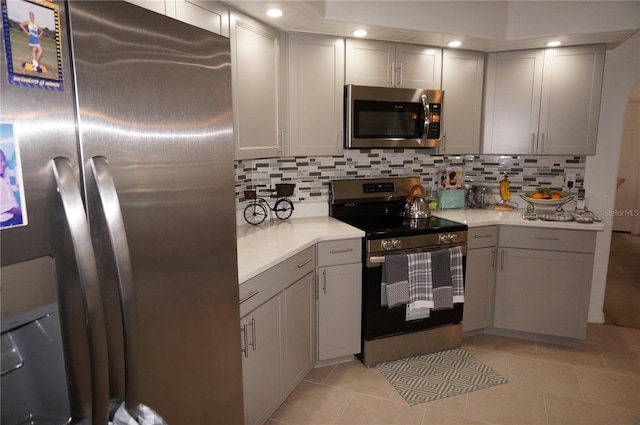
[312, 175]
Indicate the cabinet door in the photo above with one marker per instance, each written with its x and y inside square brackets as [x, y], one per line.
[262, 366]
[339, 310]
[545, 292]
[512, 102]
[370, 63]
[255, 85]
[479, 289]
[316, 95]
[209, 15]
[300, 329]
[418, 67]
[571, 87]
[462, 82]
[158, 6]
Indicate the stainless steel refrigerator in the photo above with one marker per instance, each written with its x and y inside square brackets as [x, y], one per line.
[119, 281]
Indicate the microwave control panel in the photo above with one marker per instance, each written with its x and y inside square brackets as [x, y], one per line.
[433, 132]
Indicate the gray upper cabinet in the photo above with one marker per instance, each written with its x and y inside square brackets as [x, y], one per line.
[462, 82]
[212, 16]
[543, 101]
[255, 83]
[209, 15]
[386, 64]
[315, 95]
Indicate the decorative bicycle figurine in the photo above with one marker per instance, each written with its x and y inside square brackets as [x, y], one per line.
[256, 212]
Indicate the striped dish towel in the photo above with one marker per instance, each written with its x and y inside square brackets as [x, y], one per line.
[457, 275]
[420, 280]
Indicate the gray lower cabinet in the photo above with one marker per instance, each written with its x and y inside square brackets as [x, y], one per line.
[339, 298]
[277, 325]
[480, 277]
[543, 281]
[300, 329]
[262, 367]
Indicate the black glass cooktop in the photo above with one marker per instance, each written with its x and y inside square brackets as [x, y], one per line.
[394, 225]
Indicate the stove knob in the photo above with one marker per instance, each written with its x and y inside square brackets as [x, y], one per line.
[453, 238]
[444, 238]
[397, 244]
[386, 244]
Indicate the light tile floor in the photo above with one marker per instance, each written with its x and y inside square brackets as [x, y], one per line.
[597, 383]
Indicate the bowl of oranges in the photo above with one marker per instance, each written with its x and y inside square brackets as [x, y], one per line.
[546, 196]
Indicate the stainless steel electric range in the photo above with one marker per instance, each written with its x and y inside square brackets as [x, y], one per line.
[377, 206]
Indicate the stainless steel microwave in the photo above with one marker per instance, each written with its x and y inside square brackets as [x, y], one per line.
[386, 117]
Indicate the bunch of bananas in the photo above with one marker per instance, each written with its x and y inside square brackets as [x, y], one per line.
[505, 194]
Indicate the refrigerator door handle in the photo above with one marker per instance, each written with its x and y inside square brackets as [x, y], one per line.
[120, 249]
[88, 275]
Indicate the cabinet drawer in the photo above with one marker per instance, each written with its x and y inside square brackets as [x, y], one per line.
[548, 239]
[482, 237]
[300, 265]
[256, 291]
[333, 253]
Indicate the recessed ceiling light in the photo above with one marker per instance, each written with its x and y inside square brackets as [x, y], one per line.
[359, 33]
[554, 43]
[455, 43]
[274, 13]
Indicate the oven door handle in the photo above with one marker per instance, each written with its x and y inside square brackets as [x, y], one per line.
[376, 260]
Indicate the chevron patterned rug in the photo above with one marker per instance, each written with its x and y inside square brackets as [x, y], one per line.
[433, 376]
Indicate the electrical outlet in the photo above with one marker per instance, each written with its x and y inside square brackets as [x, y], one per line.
[569, 181]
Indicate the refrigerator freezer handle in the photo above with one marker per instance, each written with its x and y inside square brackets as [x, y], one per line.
[120, 250]
[88, 274]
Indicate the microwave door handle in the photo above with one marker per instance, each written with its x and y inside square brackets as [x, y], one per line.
[425, 106]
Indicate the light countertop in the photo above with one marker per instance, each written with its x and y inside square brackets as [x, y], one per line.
[490, 217]
[266, 245]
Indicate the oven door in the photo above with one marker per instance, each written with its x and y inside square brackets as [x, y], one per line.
[380, 321]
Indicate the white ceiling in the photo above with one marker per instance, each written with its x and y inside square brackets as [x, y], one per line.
[479, 24]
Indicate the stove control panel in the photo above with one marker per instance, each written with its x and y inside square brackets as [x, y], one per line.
[378, 188]
[446, 238]
[388, 245]
[417, 242]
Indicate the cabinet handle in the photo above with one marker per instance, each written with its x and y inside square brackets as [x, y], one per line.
[339, 141]
[338, 251]
[443, 145]
[251, 294]
[393, 73]
[502, 259]
[253, 334]
[324, 281]
[315, 287]
[304, 263]
[401, 75]
[533, 143]
[493, 259]
[244, 350]
[542, 143]
[488, 235]
[547, 238]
